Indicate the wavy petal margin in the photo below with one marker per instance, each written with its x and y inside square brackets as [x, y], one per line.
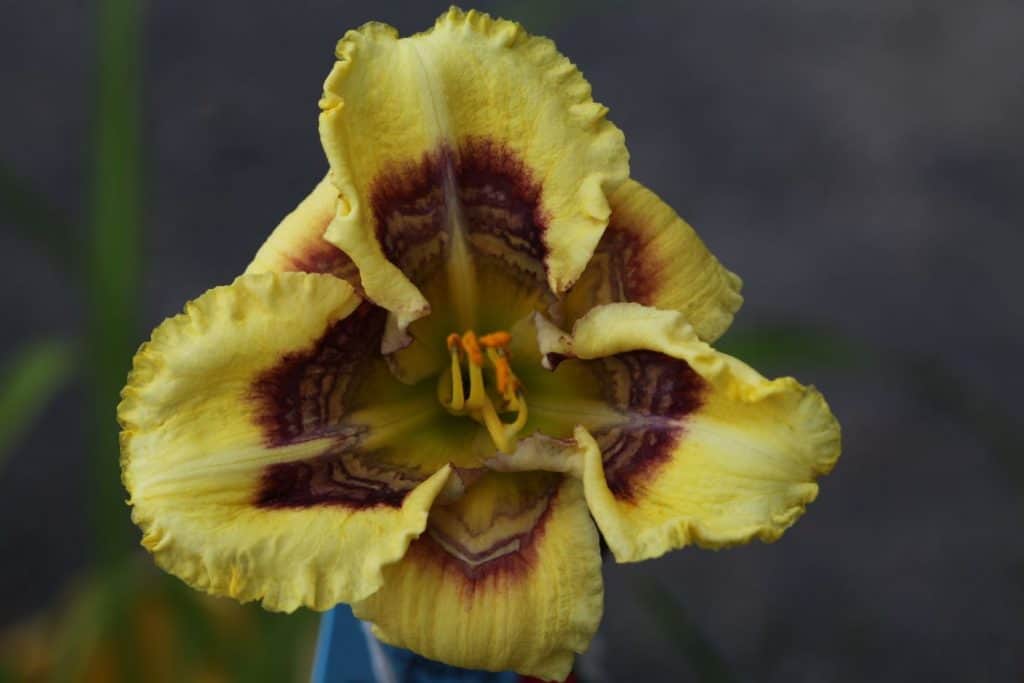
[473, 111]
[705, 450]
[243, 473]
[651, 256]
[506, 578]
[297, 244]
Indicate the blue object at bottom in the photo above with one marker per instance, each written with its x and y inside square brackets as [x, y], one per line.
[346, 652]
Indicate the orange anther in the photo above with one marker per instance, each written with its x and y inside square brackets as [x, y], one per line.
[472, 348]
[453, 341]
[503, 374]
[496, 340]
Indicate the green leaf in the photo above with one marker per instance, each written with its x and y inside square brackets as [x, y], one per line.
[30, 380]
[779, 346]
[676, 626]
[113, 264]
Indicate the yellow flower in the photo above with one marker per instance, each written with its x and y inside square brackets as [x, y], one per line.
[476, 346]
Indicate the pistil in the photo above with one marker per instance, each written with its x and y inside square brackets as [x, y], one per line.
[478, 404]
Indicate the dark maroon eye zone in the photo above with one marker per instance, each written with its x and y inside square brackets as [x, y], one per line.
[509, 557]
[334, 478]
[305, 394]
[304, 397]
[498, 197]
[657, 392]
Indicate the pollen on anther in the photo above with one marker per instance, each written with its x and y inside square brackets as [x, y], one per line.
[472, 348]
[503, 374]
[454, 341]
[496, 340]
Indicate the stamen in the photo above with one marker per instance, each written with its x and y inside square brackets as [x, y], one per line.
[478, 404]
[496, 340]
[521, 416]
[477, 393]
[496, 344]
[496, 428]
[506, 382]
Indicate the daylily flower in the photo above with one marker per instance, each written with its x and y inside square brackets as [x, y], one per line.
[473, 351]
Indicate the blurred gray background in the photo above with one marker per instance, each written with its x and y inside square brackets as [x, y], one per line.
[859, 164]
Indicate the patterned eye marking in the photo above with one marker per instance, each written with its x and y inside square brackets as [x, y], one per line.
[507, 552]
[499, 201]
[657, 392]
[349, 479]
[305, 397]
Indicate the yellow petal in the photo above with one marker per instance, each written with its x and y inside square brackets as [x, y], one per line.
[473, 140]
[298, 244]
[705, 449]
[247, 447]
[507, 577]
[651, 256]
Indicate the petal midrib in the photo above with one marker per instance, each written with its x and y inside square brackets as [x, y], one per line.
[459, 266]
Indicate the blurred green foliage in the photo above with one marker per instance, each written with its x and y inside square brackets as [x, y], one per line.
[125, 620]
[132, 623]
[113, 268]
[782, 347]
[30, 379]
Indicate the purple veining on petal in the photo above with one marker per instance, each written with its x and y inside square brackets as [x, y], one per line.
[303, 396]
[338, 477]
[321, 256]
[499, 199]
[622, 268]
[632, 274]
[506, 559]
[657, 392]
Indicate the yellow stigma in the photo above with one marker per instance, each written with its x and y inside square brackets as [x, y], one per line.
[478, 404]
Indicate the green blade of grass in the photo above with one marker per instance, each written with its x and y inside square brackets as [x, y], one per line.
[113, 263]
[30, 380]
